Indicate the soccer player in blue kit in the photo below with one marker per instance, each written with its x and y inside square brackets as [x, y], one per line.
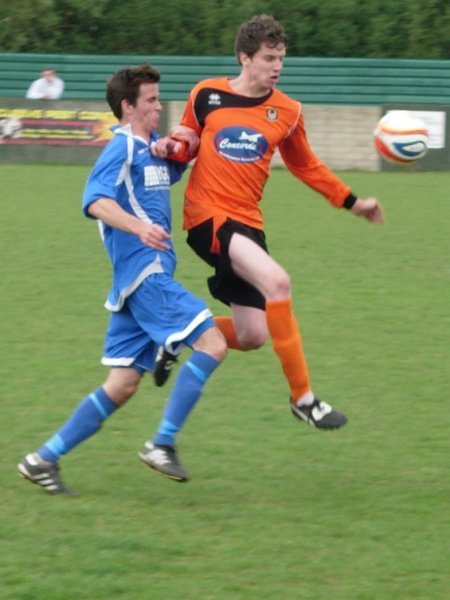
[128, 192]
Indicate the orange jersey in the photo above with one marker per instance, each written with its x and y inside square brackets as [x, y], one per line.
[239, 136]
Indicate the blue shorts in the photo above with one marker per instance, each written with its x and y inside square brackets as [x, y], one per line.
[160, 312]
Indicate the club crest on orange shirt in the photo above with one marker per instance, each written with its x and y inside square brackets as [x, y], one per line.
[272, 114]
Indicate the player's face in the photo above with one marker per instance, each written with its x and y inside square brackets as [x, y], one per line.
[264, 67]
[144, 115]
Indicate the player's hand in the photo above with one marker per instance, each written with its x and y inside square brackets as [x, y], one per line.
[165, 146]
[188, 135]
[154, 235]
[370, 209]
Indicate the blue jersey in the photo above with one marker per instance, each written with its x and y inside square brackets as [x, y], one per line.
[128, 173]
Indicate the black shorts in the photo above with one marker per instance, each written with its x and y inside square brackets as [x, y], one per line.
[225, 285]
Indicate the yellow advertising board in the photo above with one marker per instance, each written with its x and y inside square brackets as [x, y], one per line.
[56, 127]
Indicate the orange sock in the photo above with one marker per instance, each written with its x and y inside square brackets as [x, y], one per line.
[287, 343]
[225, 324]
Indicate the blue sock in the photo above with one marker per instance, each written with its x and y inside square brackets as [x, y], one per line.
[86, 419]
[186, 391]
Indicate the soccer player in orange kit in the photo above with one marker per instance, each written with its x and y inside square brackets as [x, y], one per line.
[240, 123]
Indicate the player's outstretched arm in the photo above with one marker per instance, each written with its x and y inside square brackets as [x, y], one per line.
[369, 208]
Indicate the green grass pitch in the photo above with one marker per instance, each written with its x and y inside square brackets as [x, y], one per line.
[275, 510]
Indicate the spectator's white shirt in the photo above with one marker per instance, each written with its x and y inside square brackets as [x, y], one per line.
[44, 89]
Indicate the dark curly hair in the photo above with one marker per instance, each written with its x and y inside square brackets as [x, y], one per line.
[260, 29]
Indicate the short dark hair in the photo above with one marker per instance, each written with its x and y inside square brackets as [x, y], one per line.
[125, 84]
[260, 29]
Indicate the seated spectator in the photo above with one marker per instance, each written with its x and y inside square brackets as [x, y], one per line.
[47, 87]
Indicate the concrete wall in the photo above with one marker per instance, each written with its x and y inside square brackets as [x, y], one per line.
[342, 136]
